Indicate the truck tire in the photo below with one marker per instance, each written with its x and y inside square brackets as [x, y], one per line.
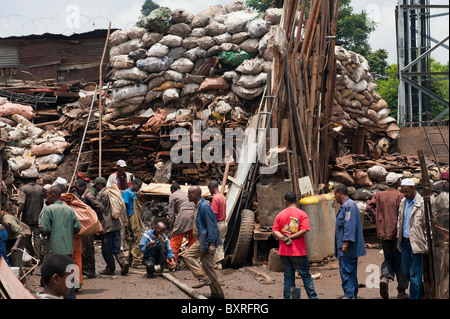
[244, 239]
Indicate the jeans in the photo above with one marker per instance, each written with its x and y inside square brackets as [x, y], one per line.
[391, 265]
[349, 276]
[159, 258]
[111, 248]
[300, 264]
[412, 268]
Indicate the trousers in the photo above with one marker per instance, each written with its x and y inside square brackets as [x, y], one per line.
[300, 264]
[206, 270]
[177, 240]
[111, 248]
[392, 264]
[349, 276]
[412, 268]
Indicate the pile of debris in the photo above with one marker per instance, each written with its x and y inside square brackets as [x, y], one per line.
[177, 68]
[27, 148]
[176, 55]
[365, 176]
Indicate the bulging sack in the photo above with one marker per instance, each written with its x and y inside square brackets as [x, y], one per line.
[116, 201]
[87, 217]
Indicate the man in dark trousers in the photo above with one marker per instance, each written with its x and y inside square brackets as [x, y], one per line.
[87, 242]
[349, 241]
[384, 206]
[111, 239]
[290, 227]
[208, 238]
[31, 200]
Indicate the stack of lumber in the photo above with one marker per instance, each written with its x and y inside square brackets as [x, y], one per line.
[306, 68]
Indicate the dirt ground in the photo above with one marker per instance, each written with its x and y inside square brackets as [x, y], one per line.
[241, 283]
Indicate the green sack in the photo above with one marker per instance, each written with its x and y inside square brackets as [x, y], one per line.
[158, 20]
[233, 58]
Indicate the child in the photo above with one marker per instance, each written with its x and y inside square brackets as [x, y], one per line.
[55, 270]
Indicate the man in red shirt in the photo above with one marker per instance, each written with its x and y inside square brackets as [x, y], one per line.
[290, 226]
[219, 207]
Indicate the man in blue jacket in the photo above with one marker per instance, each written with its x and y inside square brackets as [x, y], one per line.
[156, 248]
[349, 241]
[208, 238]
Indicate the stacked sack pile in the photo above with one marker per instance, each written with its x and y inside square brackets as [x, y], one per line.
[28, 149]
[175, 55]
[356, 101]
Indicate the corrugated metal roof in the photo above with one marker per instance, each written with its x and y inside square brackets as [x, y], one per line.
[8, 54]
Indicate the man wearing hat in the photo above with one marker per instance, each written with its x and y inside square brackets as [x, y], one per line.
[412, 241]
[30, 201]
[121, 178]
[384, 206]
[111, 240]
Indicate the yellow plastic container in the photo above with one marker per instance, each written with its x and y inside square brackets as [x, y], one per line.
[332, 206]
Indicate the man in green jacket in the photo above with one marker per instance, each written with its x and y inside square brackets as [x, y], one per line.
[59, 223]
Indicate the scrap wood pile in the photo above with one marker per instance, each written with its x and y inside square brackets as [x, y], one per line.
[304, 65]
[365, 176]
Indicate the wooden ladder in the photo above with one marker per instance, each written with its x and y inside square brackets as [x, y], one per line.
[433, 144]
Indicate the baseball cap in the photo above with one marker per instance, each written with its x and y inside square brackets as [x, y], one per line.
[100, 180]
[121, 163]
[391, 178]
[407, 182]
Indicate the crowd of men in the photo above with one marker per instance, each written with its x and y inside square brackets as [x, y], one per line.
[46, 227]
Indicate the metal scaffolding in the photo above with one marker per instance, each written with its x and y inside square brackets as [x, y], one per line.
[414, 46]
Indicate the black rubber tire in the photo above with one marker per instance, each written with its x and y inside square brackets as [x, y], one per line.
[244, 239]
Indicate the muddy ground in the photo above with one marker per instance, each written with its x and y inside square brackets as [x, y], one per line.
[242, 283]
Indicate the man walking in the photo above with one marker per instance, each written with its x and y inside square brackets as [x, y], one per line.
[290, 226]
[87, 242]
[111, 238]
[181, 218]
[208, 238]
[412, 241]
[384, 205]
[59, 223]
[31, 200]
[349, 241]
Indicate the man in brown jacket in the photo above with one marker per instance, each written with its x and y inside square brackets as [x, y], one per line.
[384, 206]
[181, 218]
[31, 200]
[111, 240]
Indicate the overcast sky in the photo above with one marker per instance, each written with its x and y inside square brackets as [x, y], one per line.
[24, 17]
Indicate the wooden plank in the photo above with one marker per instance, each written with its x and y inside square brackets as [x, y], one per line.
[11, 284]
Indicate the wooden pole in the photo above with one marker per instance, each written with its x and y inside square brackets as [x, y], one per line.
[191, 292]
[428, 264]
[225, 177]
[100, 105]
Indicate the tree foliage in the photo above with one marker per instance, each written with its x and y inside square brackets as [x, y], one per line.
[353, 29]
[378, 61]
[260, 6]
[148, 7]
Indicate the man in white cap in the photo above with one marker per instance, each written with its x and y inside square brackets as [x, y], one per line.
[412, 241]
[384, 206]
[121, 178]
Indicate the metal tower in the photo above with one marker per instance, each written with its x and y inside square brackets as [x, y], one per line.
[414, 46]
